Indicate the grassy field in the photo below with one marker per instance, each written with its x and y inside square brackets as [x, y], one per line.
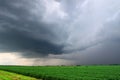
[110, 72]
[4, 75]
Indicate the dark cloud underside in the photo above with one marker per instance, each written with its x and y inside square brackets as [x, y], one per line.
[21, 32]
[85, 31]
[20, 41]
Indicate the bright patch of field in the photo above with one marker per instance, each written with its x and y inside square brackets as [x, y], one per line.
[110, 72]
[4, 75]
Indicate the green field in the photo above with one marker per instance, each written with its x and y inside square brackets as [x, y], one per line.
[110, 72]
[4, 75]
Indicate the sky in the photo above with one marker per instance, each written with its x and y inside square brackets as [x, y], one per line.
[59, 32]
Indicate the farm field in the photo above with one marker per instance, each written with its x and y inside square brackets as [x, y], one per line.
[110, 72]
[4, 75]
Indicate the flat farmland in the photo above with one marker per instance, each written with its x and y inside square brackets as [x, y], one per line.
[102, 72]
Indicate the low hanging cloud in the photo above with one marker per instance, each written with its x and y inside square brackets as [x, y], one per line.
[34, 28]
[21, 30]
[18, 41]
[61, 28]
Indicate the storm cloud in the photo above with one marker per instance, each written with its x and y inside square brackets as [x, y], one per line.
[21, 30]
[83, 31]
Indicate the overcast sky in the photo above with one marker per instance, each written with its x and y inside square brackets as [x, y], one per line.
[59, 32]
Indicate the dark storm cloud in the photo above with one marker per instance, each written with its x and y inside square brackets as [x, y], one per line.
[19, 41]
[22, 32]
[86, 29]
[38, 23]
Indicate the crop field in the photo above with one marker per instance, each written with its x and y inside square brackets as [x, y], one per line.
[110, 72]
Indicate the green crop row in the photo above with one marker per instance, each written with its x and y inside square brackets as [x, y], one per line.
[67, 72]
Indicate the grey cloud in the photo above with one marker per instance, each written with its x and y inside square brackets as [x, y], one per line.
[81, 29]
[107, 52]
[20, 41]
[28, 17]
[21, 31]
[111, 28]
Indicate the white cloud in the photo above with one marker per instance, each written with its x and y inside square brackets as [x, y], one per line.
[53, 11]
